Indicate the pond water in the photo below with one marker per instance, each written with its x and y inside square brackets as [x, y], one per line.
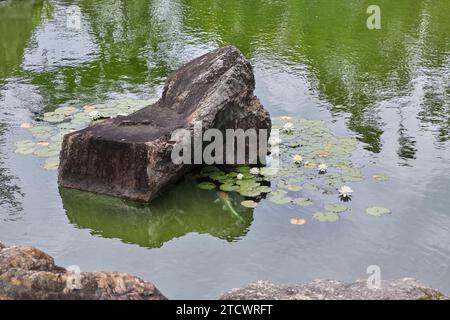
[388, 88]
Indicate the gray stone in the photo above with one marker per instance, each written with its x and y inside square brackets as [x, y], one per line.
[403, 289]
[28, 273]
[130, 156]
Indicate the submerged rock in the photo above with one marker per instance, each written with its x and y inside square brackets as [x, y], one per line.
[28, 273]
[403, 289]
[130, 156]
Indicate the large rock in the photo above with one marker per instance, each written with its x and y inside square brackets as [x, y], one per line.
[28, 273]
[403, 289]
[130, 156]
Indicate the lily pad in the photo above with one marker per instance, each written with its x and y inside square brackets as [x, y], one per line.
[294, 188]
[378, 211]
[303, 202]
[280, 197]
[25, 144]
[337, 208]
[311, 186]
[51, 164]
[24, 151]
[249, 204]
[229, 187]
[206, 186]
[251, 193]
[41, 132]
[326, 216]
[46, 152]
[380, 177]
[297, 221]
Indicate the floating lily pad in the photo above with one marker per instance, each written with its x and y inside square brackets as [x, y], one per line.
[264, 189]
[269, 171]
[303, 202]
[54, 117]
[380, 177]
[337, 208]
[206, 186]
[41, 132]
[25, 144]
[326, 216]
[24, 150]
[229, 187]
[297, 221]
[294, 188]
[377, 211]
[311, 186]
[251, 193]
[249, 204]
[46, 152]
[66, 111]
[280, 197]
[51, 164]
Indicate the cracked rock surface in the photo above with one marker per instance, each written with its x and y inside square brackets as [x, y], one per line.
[28, 273]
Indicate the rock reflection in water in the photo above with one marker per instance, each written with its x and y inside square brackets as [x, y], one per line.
[182, 210]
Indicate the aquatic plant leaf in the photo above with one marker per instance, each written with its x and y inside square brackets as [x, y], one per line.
[24, 150]
[66, 111]
[380, 177]
[251, 193]
[249, 204]
[229, 187]
[310, 186]
[25, 144]
[326, 216]
[297, 221]
[303, 202]
[46, 152]
[294, 188]
[337, 208]
[268, 171]
[51, 164]
[377, 211]
[206, 185]
[279, 197]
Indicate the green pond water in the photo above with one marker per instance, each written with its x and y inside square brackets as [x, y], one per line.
[373, 105]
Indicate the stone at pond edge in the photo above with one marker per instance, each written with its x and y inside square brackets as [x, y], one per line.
[27, 273]
[130, 156]
[402, 289]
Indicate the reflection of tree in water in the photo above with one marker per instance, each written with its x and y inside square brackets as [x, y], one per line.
[10, 192]
[181, 210]
[351, 67]
[18, 19]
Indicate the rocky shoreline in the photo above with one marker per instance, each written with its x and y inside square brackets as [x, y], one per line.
[28, 273]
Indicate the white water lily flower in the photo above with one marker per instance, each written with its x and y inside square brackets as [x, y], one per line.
[322, 168]
[94, 115]
[254, 171]
[240, 176]
[298, 159]
[288, 127]
[345, 192]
